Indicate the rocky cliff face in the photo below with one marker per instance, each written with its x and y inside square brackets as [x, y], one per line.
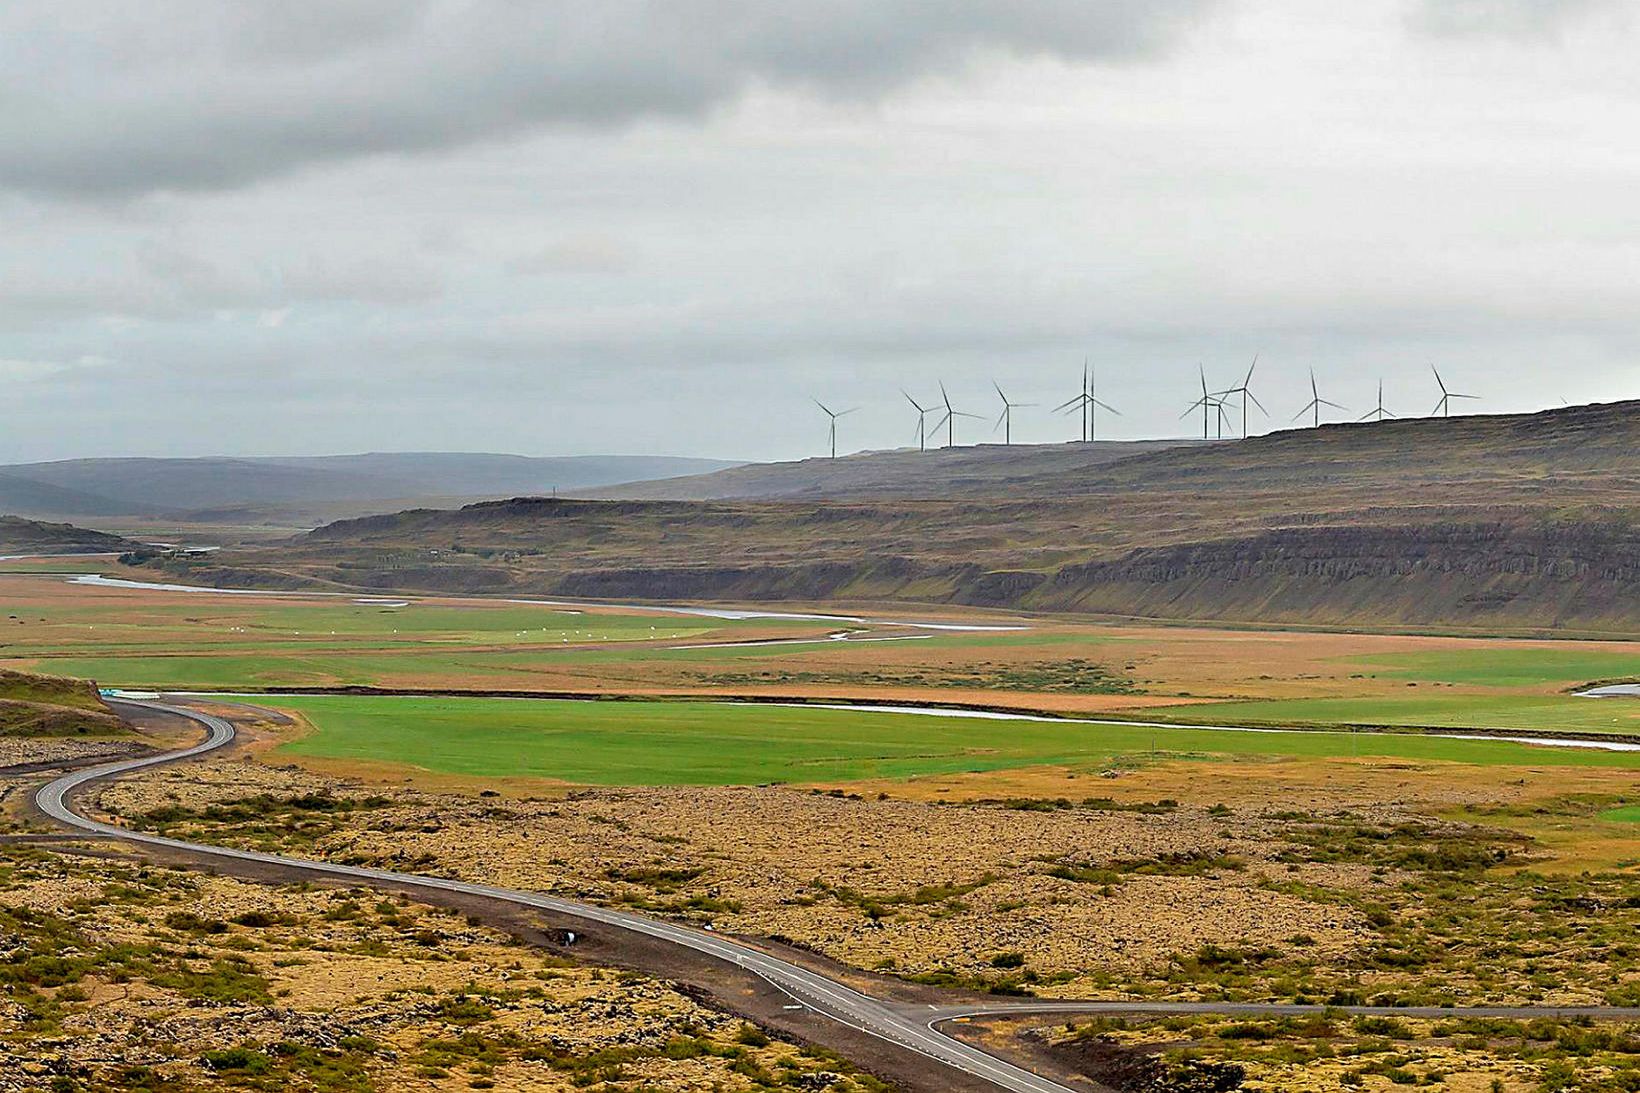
[1480, 573]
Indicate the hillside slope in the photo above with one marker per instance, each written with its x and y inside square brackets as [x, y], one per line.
[34, 705]
[939, 472]
[1521, 522]
[22, 536]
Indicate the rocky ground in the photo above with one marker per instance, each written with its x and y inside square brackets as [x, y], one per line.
[21, 751]
[1099, 898]
[1316, 1054]
[1053, 897]
[926, 890]
[115, 973]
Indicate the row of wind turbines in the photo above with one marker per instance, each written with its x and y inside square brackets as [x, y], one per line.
[1087, 403]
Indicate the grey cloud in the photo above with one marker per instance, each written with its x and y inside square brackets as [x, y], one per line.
[576, 254]
[1517, 19]
[1308, 181]
[128, 104]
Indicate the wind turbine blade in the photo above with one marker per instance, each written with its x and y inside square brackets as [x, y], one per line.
[1256, 402]
[1455, 394]
[1069, 403]
[1000, 395]
[915, 404]
[976, 417]
[1334, 405]
[1249, 377]
[1368, 414]
[824, 407]
[943, 396]
[850, 410]
[1000, 419]
[1307, 408]
[1438, 381]
[1107, 406]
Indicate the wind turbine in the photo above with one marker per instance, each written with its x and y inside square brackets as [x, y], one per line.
[1080, 402]
[1007, 418]
[1316, 403]
[1208, 403]
[1089, 403]
[834, 415]
[1246, 393]
[922, 420]
[1378, 414]
[1444, 407]
[950, 419]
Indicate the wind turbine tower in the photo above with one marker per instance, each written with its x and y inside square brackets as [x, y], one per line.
[1246, 392]
[1208, 404]
[834, 415]
[1444, 407]
[949, 421]
[922, 420]
[1378, 413]
[1316, 403]
[1084, 397]
[1088, 401]
[1006, 421]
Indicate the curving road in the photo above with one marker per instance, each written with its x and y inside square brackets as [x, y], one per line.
[904, 1026]
[915, 1028]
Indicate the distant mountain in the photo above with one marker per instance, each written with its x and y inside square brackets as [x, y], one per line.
[939, 472]
[461, 474]
[35, 498]
[22, 536]
[175, 488]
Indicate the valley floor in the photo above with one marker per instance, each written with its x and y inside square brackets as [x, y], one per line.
[960, 858]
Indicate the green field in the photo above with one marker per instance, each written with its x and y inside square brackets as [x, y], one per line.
[1628, 814]
[703, 743]
[1526, 666]
[1543, 713]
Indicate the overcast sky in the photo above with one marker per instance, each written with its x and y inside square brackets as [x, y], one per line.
[663, 226]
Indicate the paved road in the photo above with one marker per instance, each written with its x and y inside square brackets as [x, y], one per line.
[936, 1015]
[905, 1026]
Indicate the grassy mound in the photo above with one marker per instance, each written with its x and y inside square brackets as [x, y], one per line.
[32, 705]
